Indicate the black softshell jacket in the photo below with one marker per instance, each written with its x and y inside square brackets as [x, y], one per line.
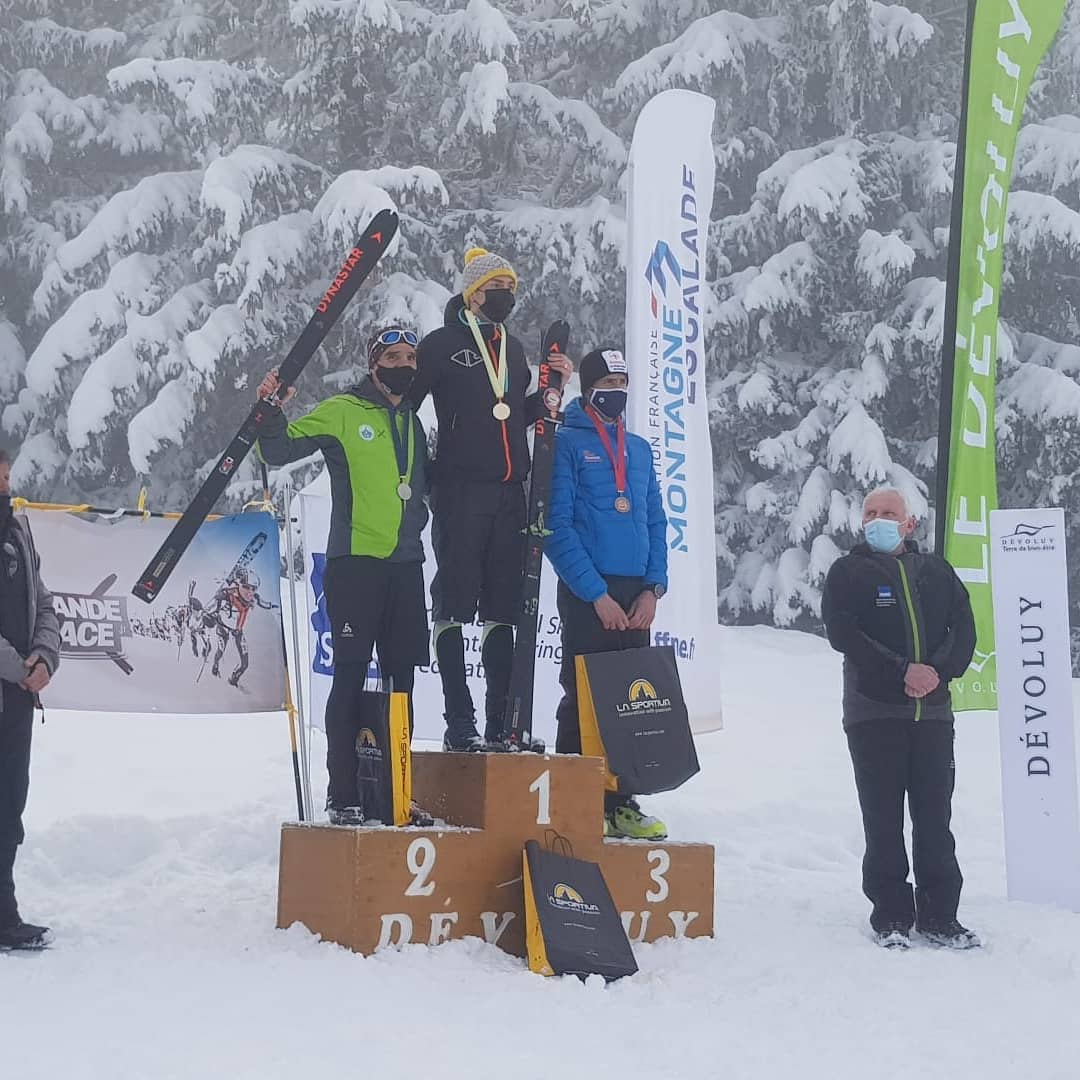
[472, 444]
[884, 612]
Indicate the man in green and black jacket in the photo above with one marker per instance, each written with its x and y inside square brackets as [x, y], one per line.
[903, 621]
[376, 453]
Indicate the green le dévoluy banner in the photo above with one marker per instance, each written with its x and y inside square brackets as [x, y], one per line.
[1009, 39]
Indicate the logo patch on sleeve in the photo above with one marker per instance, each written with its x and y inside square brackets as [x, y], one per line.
[885, 596]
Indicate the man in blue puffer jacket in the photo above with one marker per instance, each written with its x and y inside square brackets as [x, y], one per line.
[608, 545]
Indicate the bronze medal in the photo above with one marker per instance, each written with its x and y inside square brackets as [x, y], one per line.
[622, 504]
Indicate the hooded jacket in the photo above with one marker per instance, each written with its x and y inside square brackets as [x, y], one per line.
[44, 625]
[472, 444]
[367, 515]
[884, 612]
[589, 538]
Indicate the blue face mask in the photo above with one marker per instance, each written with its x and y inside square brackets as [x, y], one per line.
[609, 403]
[883, 536]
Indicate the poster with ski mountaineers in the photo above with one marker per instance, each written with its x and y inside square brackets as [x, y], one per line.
[210, 642]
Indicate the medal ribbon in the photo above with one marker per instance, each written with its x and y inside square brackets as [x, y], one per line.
[499, 379]
[618, 463]
[403, 445]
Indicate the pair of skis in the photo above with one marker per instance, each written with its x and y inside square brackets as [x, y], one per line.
[358, 265]
[517, 722]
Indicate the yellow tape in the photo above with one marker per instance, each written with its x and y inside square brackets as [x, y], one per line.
[19, 503]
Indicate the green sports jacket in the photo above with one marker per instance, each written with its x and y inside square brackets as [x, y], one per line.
[367, 516]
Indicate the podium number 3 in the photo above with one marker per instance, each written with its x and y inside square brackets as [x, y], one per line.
[542, 786]
[663, 864]
[420, 859]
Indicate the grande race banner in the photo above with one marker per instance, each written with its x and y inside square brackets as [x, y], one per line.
[671, 175]
[1007, 40]
[211, 642]
[1035, 707]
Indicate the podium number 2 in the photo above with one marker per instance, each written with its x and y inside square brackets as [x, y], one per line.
[663, 864]
[420, 859]
[542, 786]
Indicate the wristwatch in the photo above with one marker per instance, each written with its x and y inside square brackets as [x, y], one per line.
[657, 590]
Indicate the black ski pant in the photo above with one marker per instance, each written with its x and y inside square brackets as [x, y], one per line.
[372, 603]
[16, 727]
[893, 758]
[582, 635]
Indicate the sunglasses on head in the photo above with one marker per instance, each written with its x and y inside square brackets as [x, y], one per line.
[396, 337]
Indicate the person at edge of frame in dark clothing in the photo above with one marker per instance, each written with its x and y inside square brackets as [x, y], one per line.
[29, 657]
[903, 621]
[608, 545]
[477, 375]
[375, 451]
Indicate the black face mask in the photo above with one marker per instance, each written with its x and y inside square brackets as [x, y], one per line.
[5, 510]
[396, 379]
[497, 305]
[610, 403]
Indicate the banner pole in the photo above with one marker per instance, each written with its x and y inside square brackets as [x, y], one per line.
[299, 668]
[952, 302]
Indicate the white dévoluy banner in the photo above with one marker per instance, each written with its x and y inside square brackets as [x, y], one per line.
[672, 170]
[1035, 706]
[427, 697]
[211, 642]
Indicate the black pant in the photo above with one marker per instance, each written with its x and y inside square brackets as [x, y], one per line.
[371, 603]
[478, 533]
[16, 727]
[891, 758]
[583, 634]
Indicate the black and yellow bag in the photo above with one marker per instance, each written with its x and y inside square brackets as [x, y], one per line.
[632, 714]
[384, 757]
[572, 926]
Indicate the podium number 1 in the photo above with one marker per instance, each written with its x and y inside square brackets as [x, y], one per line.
[420, 859]
[542, 786]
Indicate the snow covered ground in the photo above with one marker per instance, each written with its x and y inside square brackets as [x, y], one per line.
[152, 850]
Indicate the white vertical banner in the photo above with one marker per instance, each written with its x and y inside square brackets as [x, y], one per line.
[1035, 706]
[669, 201]
[319, 662]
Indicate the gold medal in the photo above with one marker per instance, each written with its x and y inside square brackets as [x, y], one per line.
[500, 379]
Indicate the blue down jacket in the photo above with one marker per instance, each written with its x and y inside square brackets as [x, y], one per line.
[589, 537]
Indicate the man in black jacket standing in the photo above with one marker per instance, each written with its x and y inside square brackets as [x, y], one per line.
[903, 621]
[29, 656]
[478, 377]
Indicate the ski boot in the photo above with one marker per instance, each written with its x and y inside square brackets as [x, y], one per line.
[627, 821]
[345, 815]
[461, 736]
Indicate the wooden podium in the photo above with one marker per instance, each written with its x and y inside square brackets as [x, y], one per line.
[372, 887]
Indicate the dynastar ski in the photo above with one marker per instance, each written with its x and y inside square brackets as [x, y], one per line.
[357, 266]
[517, 723]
